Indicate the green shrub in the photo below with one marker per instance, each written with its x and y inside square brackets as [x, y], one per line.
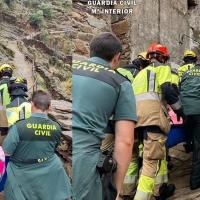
[47, 10]
[37, 18]
[45, 36]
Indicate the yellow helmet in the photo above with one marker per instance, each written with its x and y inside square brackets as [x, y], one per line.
[189, 53]
[143, 55]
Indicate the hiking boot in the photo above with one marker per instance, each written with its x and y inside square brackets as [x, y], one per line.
[127, 197]
[160, 198]
[194, 185]
[166, 191]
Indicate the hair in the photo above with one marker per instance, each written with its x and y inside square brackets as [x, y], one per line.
[41, 100]
[105, 45]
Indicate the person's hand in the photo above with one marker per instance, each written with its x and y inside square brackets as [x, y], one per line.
[180, 114]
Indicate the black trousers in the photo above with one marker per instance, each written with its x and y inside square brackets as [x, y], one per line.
[193, 128]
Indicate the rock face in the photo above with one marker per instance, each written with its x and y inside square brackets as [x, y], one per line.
[85, 25]
[62, 113]
[171, 23]
[159, 21]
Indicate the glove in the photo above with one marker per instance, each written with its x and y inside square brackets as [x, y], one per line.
[180, 114]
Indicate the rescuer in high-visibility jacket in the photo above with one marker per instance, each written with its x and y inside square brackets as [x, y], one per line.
[19, 108]
[130, 72]
[153, 88]
[190, 59]
[6, 71]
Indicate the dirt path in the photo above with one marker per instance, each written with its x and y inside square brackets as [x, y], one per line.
[23, 67]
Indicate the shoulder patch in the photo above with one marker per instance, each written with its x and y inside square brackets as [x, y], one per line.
[97, 71]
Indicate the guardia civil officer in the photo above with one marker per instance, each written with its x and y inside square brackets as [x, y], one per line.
[153, 88]
[34, 170]
[6, 71]
[129, 71]
[20, 107]
[98, 93]
[190, 98]
[190, 59]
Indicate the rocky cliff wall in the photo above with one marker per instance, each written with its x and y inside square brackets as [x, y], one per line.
[160, 21]
[168, 22]
[85, 25]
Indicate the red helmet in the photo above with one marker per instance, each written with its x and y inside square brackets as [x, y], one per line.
[158, 48]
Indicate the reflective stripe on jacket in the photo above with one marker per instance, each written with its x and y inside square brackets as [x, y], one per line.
[15, 113]
[4, 95]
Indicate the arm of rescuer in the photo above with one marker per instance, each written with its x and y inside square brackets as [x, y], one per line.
[125, 117]
[124, 139]
[170, 94]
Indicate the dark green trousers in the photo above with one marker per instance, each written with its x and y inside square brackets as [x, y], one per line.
[193, 128]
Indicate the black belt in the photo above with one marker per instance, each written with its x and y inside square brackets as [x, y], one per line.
[32, 161]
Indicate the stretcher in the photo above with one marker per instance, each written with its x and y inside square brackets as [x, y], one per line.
[178, 133]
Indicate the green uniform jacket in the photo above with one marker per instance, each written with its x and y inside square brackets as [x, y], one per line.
[34, 171]
[98, 93]
[190, 91]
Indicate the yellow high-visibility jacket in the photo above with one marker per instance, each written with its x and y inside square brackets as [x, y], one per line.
[152, 88]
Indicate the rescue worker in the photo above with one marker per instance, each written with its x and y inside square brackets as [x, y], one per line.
[6, 71]
[190, 87]
[19, 108]
[98, 93]
[34, 170]
[152, 87]
[130, 71]
[129, 185]
[190, 59]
